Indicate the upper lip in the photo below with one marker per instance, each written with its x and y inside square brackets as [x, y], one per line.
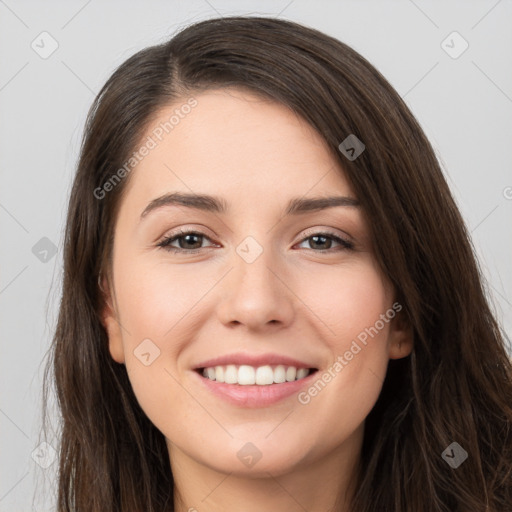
[253, 360]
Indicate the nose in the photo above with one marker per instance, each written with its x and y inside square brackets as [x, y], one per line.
[256, 294]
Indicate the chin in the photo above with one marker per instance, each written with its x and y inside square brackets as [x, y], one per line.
[259, 457]
[275, 464]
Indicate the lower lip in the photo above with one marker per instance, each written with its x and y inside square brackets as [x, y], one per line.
[255, 396]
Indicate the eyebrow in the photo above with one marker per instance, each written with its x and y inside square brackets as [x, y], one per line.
[207, 203]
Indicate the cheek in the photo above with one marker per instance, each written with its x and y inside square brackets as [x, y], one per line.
[160, 312]
[351, 309]
[154, 311]
[345, 302]
[158, 301]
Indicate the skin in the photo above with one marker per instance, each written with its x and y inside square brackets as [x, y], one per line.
[292, 300]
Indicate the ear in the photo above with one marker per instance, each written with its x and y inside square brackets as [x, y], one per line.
[400, 337]
[110, 322]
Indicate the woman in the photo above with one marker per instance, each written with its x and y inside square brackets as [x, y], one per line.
[270, 300]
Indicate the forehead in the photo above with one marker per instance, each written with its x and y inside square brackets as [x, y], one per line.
[235, 144]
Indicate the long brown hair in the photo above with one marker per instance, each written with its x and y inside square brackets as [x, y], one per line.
[456, 386]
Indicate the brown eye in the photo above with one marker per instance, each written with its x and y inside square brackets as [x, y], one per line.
[321, 242]
[188, 241]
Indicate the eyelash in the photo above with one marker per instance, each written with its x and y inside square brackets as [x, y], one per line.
[165, 243]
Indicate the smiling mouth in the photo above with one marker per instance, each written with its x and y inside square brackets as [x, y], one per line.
[245, 375]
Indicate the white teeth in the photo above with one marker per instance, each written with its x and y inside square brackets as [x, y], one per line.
[219, 373]
[264, 376]
[279, 374]
[291, 373]
[231, 374]
[302, 372]
[246, 375]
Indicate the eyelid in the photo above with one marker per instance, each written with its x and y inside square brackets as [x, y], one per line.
[326, 231]
[198, 229]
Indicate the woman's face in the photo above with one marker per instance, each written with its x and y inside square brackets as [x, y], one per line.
[264, 284]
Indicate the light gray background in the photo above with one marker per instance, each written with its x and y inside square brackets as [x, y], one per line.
[464, 104]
